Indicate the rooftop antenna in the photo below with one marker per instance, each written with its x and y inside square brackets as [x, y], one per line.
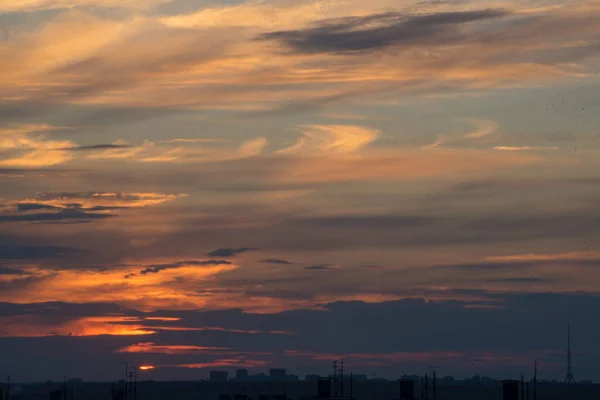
[569, 378]
[434, 381]
[522, 387]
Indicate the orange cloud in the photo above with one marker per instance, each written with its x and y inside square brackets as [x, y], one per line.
[175, 288]
[149, 347]
[397, 164]
[28, 146]
[574, 255]
[162, 319]
[522, 148]
[32, 326]
[220, 329]
[81, 52]
[336, 139]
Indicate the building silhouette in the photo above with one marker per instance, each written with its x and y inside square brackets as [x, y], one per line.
[510, 390]
[407, 389]
[241, 374]
[277, 374]
[56, 395]
[218, 376]
[324, 388]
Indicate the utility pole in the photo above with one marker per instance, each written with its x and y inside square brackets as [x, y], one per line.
[8, 387]
[426, 387]
[434, 387]
[335, 378]
[135, 383]
[342, 379]
[351, 386]
[125, 388]
[535, 381]
[433, 369]
[130, 385]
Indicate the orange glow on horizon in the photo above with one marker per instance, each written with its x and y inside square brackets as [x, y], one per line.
[146, 367]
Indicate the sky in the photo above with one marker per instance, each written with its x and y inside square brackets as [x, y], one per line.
[200, 184]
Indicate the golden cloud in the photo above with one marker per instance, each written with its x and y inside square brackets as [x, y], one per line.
[29, 146]
[226, 68]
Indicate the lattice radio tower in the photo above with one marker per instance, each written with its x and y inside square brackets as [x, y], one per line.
[569, 378]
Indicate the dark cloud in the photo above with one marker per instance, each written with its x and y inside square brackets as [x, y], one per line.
[24, 252]
[368, 221]
[96, 147]
[356, 33]
[409, 326]
[10, 271]
[276, 261]
[525, 279]
[23, 207]
[153, 269]
[487, 266]
[76, 207]
[229, 252]
[320, 267]
[515, 266]
[61, 216]
[59, 309]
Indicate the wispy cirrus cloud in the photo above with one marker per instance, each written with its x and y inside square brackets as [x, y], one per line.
[523, 148]
[29, 146]
[263, 80]
[378, 31]
[39, 5]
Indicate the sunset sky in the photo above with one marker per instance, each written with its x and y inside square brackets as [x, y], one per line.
[200, 184]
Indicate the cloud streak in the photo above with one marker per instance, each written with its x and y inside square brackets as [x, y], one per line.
[391, 29]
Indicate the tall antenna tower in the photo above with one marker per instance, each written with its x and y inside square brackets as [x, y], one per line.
[569, 378]
[335, 370]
